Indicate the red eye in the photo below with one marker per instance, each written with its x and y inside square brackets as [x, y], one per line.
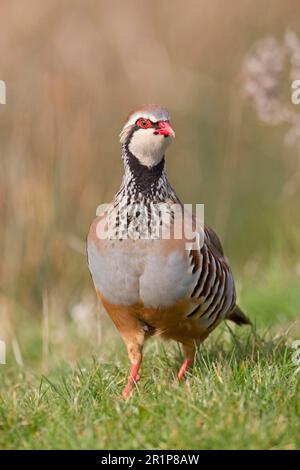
[144, 123]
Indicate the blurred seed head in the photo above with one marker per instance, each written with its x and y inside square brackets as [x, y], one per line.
[268, 72]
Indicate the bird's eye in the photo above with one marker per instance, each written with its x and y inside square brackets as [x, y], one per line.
[144, 123]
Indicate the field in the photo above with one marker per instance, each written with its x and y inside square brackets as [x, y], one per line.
[73, 70]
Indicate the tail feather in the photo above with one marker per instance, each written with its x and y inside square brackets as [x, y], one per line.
[237, 316]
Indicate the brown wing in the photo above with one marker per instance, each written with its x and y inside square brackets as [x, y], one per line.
[214, 241]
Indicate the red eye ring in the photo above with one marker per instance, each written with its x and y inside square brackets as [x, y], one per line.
[144, 123]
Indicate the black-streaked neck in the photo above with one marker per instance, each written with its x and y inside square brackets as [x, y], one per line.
[141, 182]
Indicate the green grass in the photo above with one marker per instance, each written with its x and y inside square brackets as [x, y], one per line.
[243, 391]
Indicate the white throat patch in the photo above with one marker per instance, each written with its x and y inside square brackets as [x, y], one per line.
[147, 147]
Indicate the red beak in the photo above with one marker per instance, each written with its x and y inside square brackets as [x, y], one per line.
[164, 128]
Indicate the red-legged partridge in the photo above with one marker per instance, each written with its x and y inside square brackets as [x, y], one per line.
[150, 283]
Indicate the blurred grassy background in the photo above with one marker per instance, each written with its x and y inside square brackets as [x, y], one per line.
[73, 70]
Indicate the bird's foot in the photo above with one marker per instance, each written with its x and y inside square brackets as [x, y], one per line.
[132, 380]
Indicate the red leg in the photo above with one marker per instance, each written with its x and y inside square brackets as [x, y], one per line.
[185, 365]
[132, 380]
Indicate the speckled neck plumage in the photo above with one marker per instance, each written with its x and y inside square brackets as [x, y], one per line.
[140, 196]
[144, 184]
